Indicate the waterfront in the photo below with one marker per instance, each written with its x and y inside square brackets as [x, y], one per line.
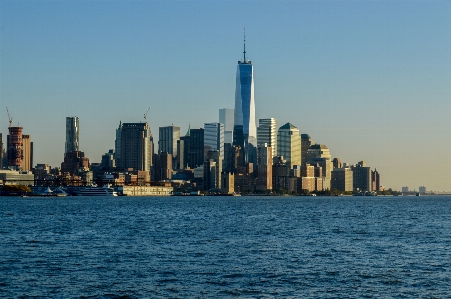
[210, 247]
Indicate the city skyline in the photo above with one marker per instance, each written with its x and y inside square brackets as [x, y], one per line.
[369, 80]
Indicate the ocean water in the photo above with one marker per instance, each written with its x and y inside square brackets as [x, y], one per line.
[225, 247]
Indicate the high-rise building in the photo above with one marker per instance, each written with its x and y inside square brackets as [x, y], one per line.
[319, 154]
[376, 180]
[117, 145]
[264, 167]
[245, 129]
[72, 134]
[167, 140]
[342, 179]
[15, 147]
[214, 138]
[136, 147]
[1, 150]
[226, 117]
[306, 142]
[289, 144]
[267, 133]
[196, 151]
[362, 177]
[27, 162]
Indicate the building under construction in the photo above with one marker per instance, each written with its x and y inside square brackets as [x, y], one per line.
[15, 147]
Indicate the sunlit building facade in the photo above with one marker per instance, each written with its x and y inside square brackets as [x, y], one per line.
[245, 129]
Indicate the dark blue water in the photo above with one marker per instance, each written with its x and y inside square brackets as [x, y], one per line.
[234, 247]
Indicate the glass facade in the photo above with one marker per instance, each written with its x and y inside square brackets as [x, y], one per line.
[289, 144]
[245, 129]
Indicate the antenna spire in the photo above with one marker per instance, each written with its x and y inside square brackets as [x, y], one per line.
[244, 52]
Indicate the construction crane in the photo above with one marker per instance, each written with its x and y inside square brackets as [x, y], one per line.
[145, 115]
[9, 118]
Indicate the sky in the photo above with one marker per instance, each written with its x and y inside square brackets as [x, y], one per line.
[369, 79]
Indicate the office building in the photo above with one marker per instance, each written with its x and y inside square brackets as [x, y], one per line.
[289, 144]
[27, 162]
[196, 152]
[167, 140]
[214, 138]
[319, 154]
[72, 134]
[267, 133]
[376, 180]
[264, 167]
[245, 129]
[226, 117]
[362, 177]
[342, 179]
[306, 142]
[117, 146]
[136, 147]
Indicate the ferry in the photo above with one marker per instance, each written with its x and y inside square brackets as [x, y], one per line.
[97, 191]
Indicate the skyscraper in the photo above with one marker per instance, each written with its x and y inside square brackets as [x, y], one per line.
[245, 129]
[306, 142]
[214, 138]
[289, 144]
[27, 162]
[136, 146]
[167, 142]
[226, 117]
[15, 147]
[267, 133]
[72, 134]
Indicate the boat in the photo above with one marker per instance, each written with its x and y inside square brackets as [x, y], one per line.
[97, 191]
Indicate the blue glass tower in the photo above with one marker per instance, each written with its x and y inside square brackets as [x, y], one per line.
[245, 128]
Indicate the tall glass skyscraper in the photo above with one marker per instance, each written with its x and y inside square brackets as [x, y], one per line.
[72, 134]
[245, 128]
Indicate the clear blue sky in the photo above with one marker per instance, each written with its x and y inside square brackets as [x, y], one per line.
[369, 79]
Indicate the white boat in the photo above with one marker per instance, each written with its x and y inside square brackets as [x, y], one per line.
[97, 191]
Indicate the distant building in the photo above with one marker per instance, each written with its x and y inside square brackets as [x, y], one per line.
[376, 180]
[227, 183]
[264, 168]
[117, 146]
[72, 134]
[245, 129]
[306, 142]
[405, 189]
[136, 147]
[336, 163]
[1, 150]
[289, 144]
[163, 167]
[215, 155]
[362, 177]
[226, 117]
[214, 138]
[422, 189]
[74, 162]
[319, 154]
[15, 148]
[27, 162]
[342, 179]
[108, 162]
[195, 148]
[267, 133]
[167, 140]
